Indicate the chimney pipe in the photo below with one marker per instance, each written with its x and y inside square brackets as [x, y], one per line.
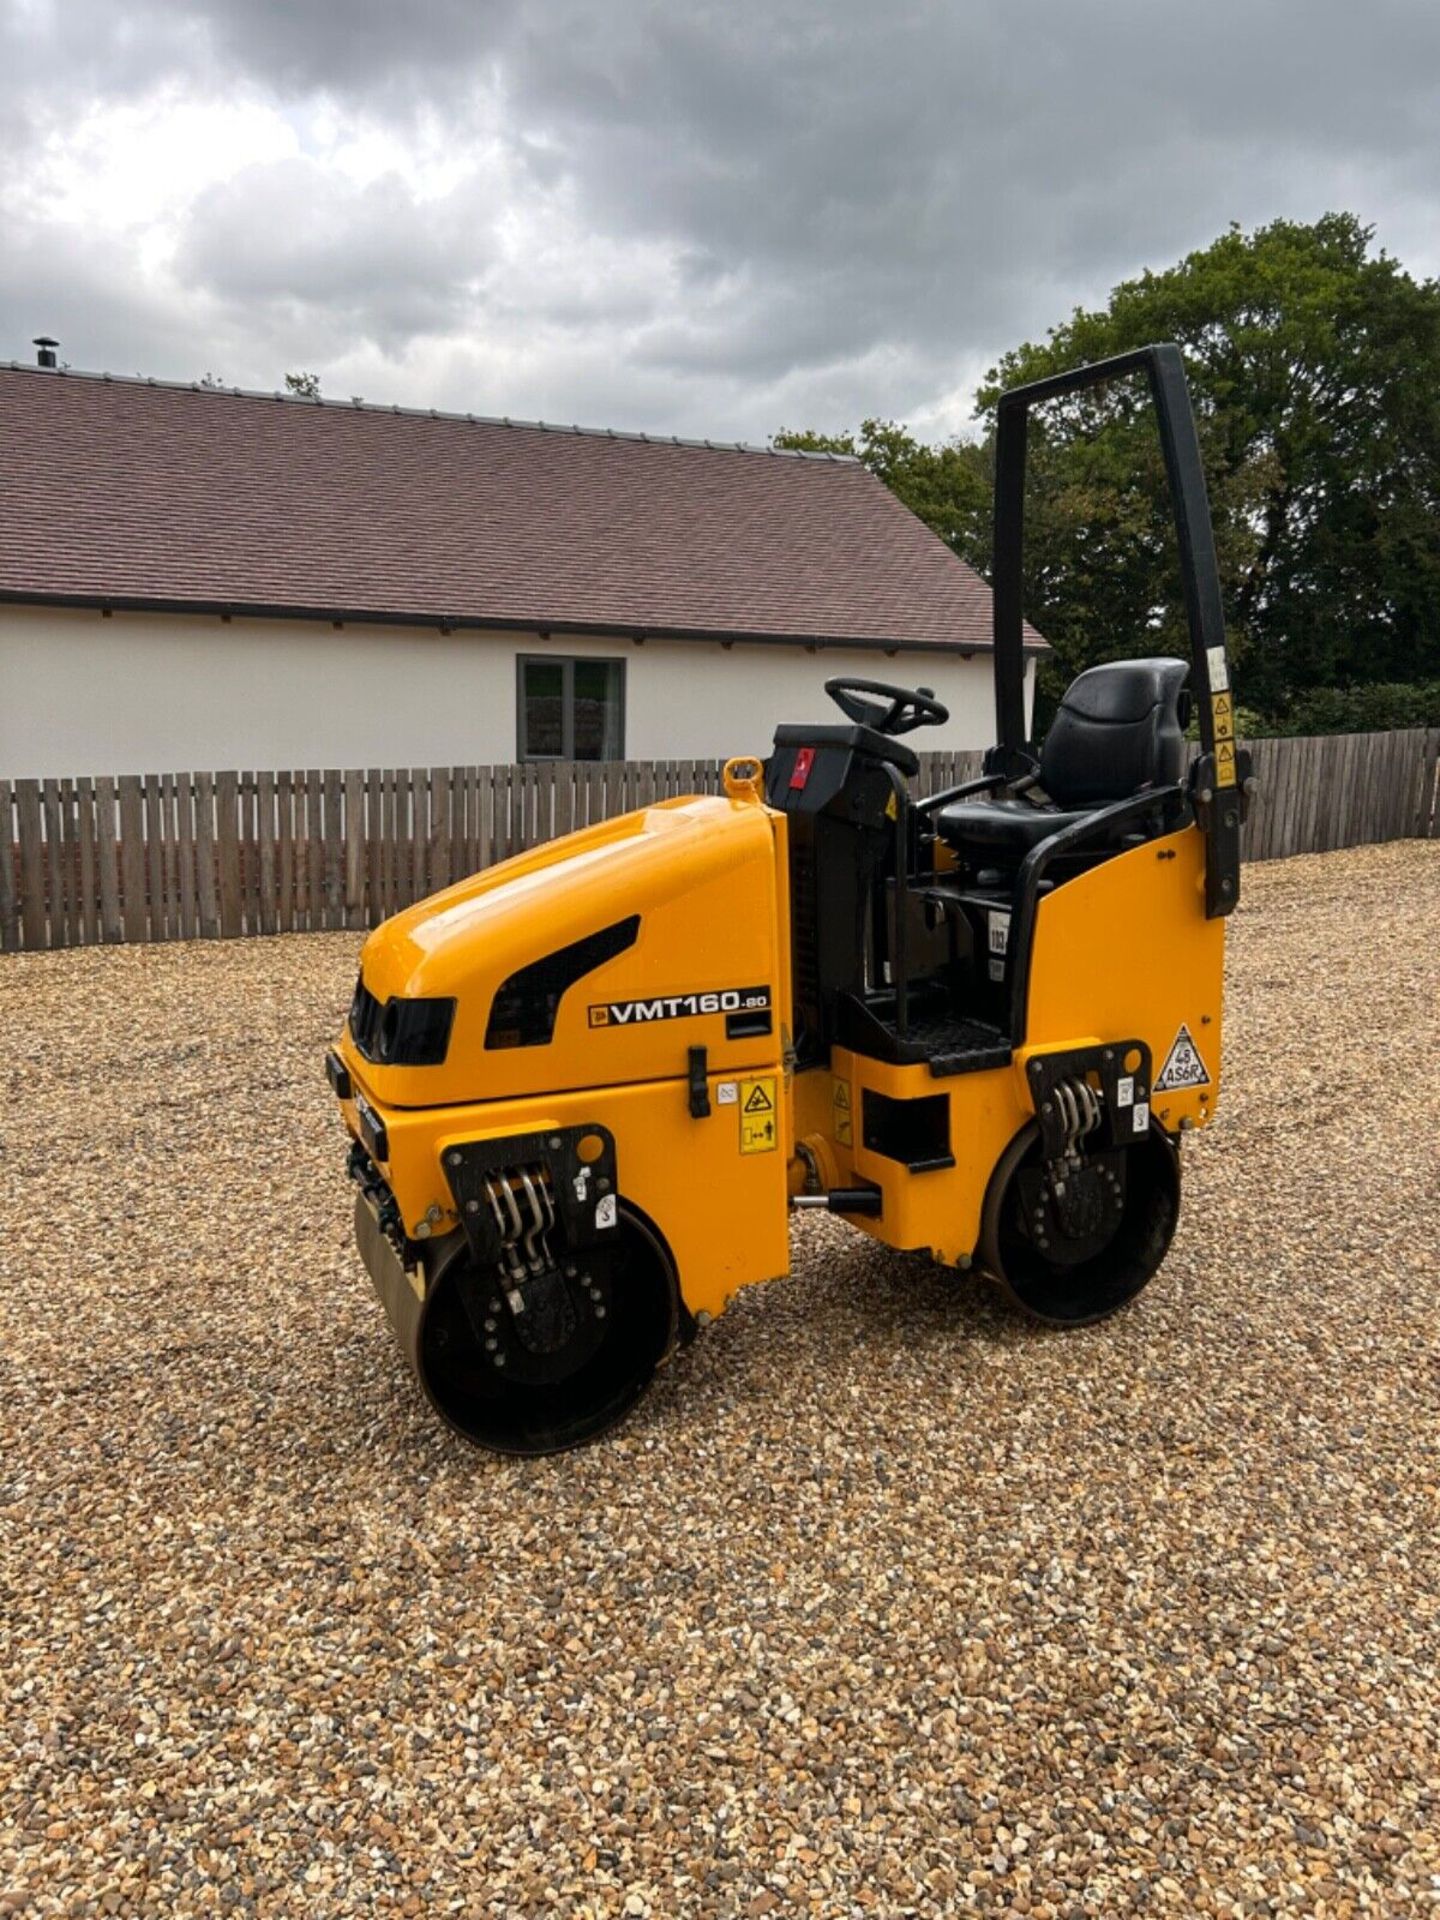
[47, 356]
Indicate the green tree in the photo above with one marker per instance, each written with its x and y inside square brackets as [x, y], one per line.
[305, 386]
[1314, 362]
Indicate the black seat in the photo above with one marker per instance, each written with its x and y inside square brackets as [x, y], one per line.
[1119, 729]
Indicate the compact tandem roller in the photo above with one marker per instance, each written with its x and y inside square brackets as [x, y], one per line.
[587, 1087]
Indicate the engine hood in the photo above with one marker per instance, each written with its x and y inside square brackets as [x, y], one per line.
[703, 878]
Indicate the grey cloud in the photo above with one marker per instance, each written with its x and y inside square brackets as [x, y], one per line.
[371, 258]
[856, 207]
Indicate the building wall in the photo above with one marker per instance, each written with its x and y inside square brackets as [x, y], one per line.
[169, 693]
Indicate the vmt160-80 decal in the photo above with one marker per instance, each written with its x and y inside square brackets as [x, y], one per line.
[680, 1006]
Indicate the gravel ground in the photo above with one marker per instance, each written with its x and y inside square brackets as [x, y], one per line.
[883, 1603]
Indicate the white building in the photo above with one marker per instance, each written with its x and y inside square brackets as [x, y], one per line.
[195, 579]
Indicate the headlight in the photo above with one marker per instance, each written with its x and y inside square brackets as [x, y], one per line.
[405, 1033]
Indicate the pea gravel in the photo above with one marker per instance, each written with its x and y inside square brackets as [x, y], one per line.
[883, 1604]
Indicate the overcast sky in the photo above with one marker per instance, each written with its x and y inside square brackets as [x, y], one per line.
[713, 219]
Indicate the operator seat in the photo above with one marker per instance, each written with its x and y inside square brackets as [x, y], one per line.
[1119, 729]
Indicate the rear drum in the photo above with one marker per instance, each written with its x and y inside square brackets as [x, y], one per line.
[1072, 1283]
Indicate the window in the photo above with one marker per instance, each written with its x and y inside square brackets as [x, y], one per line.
[571, 709]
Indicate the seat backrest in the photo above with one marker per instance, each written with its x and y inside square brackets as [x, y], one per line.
[1119, 728]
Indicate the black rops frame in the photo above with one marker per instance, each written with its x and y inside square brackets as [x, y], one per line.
[1219, 806]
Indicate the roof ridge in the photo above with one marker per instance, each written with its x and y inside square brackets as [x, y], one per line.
[423, 413]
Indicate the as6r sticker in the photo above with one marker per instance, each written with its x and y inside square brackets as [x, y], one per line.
[679, 1006]
[1183, 1066]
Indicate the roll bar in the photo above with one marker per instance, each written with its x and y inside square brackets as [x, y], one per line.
[1219, 775]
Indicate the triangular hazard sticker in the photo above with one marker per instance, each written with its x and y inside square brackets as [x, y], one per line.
[759, 1101]
[1183, 1066]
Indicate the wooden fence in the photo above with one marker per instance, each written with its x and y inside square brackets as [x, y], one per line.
[206, 856]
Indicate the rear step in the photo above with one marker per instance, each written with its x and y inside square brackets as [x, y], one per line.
[944, 1043]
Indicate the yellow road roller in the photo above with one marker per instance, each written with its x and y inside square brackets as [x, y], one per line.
[588, 1088]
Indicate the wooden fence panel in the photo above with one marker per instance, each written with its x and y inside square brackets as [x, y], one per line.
[181, 856]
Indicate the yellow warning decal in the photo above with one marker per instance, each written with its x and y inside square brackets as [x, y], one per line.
[758, 1132]
[1223, 708]
[891, 807]
[1225, 763]
[840, 1113]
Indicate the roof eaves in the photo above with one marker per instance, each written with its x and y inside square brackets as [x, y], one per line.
[361, 616]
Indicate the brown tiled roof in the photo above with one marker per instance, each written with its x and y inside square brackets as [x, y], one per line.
[117, 491]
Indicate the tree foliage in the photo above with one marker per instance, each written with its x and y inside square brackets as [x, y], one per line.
[1314, 363]
[305, 386]
[1376, 707]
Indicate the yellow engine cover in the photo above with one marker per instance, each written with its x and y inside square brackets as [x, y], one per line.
[701, 875]
[706, 878]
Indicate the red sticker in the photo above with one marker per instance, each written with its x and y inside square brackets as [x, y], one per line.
[804, 760]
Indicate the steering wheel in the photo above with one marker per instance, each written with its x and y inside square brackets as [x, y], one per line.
[908, 707]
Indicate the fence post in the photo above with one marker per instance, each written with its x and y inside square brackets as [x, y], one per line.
[354, 848]
[32, 863]
[134, 920]
[370, 906]
[227, 840]
[154, 830]
[9, 902]
[207, 899]
[111, 926]
[1427, 818]
[89, 917]
[266, 837]
[55, 865]
[439, 837]
[185, 855]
